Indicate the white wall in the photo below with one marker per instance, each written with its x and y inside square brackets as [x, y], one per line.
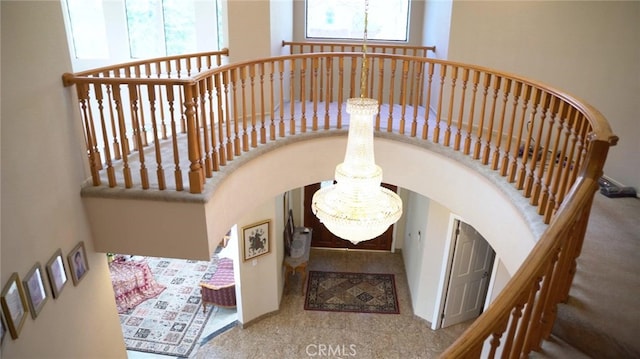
[260, 285]
[591, 49]
[41, 206]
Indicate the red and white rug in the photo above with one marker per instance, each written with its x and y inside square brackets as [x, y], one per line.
[172, 322]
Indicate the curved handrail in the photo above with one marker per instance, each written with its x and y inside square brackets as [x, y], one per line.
[547, 143]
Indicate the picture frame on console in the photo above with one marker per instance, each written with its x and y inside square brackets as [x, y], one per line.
[35, 291]
[78, 263]
[56, 273]
[14, 305]
[256, 239]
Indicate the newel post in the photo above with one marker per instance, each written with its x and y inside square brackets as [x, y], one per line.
[196, 172]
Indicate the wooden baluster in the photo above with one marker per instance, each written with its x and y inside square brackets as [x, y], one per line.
[141, 116]
[452, 94]
[233, 141]
[177, 172]
[242, 72]
[573, 123]
[229, 117]
[112, 120]
[254, 134]
[416, 97]
[201, 122]
[497, 80]
[213, 124]
[528, 145]
[506, 90]
[211, 119]
[111, 177]
[526, 326]
[151, 93]
[328, 92]
[556, 164]
[183, 119]
[238, 115]
[340, 90]
[272, 94]
[485, 92]
[436, 127]
[463, 95]
[161, 103]
[538, 152]
[83, 98]
[495, 338]
[263, 129]
[133, 100]
[281, 127]
[196, 176]
[538, 185]
[526, 96]
[427, 110]
[221, 99]
[380, 92]
[124, 140]
[582, 140]
[292, 99]
[303, 96]
[352, 83]
[532, 338]
[516, 314]
[403, 95]
[314, 93]
[392, 81]
[474, 92]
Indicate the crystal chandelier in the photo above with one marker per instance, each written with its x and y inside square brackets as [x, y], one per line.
[356, 207]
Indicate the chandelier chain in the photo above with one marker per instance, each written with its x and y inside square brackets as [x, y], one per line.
[365, 64]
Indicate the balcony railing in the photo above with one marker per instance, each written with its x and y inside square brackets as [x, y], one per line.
[549, 145]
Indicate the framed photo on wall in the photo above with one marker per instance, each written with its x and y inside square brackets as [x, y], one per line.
[33, 285]
[14, 305]
[78, 263]
[57, 273]
[256, 240]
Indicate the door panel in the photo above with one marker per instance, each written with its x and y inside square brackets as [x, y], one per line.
[323, 238]
[469, 278]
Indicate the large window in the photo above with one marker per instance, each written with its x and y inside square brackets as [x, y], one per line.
[133, 29]
[344, 19]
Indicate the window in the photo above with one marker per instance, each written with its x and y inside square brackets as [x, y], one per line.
[88, 31]
[131, 29]
[344, 19]
[171, 23]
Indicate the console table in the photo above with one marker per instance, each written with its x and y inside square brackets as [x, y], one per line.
[298, 258]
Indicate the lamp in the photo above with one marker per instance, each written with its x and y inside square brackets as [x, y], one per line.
[356, 207]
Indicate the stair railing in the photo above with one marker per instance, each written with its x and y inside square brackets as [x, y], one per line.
[547, 144]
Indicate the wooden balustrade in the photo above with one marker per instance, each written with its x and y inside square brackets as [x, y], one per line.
[544, 142]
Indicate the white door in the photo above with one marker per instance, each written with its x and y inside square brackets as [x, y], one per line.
[469, 277]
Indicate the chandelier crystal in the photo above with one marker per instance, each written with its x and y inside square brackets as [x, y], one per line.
[356, 207]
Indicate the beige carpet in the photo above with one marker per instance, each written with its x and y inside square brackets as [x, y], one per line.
[602, 316]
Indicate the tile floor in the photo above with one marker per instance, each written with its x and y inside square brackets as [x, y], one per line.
[293, 332]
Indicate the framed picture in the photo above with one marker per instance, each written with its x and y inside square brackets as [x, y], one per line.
[255, 239]
[78, 263]
[14, 305]
[33, 285]
[57, 273]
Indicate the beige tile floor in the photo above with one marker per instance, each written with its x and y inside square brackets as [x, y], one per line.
[293, 332]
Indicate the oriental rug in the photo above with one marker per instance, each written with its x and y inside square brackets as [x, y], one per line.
[352, 292]
[172, 322]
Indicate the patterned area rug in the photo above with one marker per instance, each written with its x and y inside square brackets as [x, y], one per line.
[352, 292]
[172, 322]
